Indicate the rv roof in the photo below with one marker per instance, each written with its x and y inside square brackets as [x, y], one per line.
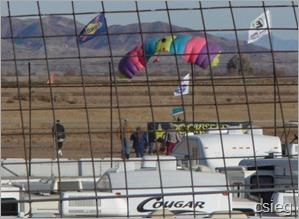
[269, 162]
[216, 139]
[170, 178]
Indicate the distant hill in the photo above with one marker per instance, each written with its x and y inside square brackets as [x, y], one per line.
[61, 42]
[278, 44]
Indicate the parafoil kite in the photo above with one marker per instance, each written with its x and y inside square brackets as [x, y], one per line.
[95, 26]
[193, 49]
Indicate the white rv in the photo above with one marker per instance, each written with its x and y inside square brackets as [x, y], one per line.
[279, 176]
[157, 186]
[227, 148]
[272, 181]
[178, 191]
[282, 172]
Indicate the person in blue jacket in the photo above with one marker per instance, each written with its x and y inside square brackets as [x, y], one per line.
[139, 142]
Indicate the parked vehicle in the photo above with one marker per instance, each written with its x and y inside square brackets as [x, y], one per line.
[272, 181]
[160, 186]
[228, 148]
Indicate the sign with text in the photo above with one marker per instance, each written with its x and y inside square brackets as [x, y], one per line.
[155, 132]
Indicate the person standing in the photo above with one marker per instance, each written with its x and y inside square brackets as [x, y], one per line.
[171, 138]
[124, 133]
[151, 148]
[58, 133]
[139, 142]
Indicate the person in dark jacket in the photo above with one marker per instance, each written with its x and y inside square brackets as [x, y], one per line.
[59, 134]
[139, 142]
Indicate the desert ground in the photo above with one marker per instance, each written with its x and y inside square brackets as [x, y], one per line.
[91, 112]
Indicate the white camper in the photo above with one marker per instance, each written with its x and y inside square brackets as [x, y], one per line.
[156, 187]
[272, 181]
[282, 172]
[177, 191]
[278, 174]
[213, 148]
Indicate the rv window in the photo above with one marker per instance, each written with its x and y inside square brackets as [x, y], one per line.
[104, 184]
[10, 207]
[261, 168]
[264, 182]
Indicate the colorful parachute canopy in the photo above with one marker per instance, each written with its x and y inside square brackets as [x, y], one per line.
[193, 49]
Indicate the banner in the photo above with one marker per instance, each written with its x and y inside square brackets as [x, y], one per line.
[259, 27]
[95, 26]
[199, 127]
[184, 88]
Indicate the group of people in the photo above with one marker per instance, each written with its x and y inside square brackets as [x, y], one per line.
[138, 137]
[140, 143]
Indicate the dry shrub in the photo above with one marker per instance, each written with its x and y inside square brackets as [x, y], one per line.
[23, 97]
[43, 98]
[10, 100]
[74, 101]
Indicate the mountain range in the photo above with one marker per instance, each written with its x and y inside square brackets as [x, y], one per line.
[61, 46]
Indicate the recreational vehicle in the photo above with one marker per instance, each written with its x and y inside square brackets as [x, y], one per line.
[178, 191]
[159, 186]
[272, 181]
[279, 175]
[282, 173]
[228, 148]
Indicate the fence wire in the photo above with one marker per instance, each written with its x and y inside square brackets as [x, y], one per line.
[89, 98]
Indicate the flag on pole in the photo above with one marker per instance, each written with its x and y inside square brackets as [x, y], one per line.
[51, 81]
[184, 88]
[259, 27]
[94, 27]
[177, 111]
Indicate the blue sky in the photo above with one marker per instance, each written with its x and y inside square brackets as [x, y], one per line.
[123, 12]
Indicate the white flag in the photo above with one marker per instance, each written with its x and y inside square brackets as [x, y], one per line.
[184, 88]
[260, 27]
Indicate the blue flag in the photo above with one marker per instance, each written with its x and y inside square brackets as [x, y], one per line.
[94, 27]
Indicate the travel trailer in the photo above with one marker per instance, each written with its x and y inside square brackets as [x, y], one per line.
[281, 173]
[228, 148]
[159, 186]
[272, 181]
[278, 174]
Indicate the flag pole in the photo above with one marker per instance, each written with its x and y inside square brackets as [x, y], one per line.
[50, 82]
[192, 77]
[111, 113]
[275, 82]
[30, 128]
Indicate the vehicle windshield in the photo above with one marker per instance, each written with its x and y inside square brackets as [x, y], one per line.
[104, 184]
